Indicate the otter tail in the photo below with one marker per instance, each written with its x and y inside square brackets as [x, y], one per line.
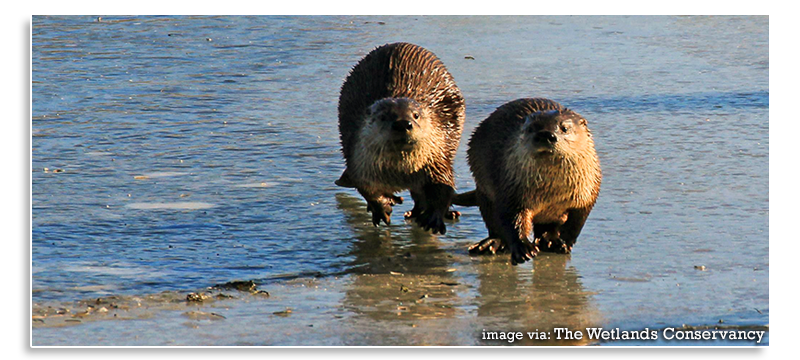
[469, 198]
[344, 180]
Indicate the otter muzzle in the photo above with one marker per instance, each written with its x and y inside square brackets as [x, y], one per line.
[402, 126]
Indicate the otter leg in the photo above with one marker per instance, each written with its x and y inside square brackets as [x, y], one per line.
[380, 205]
[491, 244]
[516, 227]
[572, 227]
[434, 208]
[419, 199]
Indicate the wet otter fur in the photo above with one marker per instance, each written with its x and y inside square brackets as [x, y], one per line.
[400, 121]
[536, 173]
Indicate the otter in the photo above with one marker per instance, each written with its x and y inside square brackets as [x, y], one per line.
[400, 121]
[536, 173]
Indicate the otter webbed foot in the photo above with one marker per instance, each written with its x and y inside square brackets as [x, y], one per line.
[381, 208]
[380, 212]
[522, 251]
[488, 245]
[431, 220]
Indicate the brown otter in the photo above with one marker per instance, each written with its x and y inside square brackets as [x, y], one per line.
[535, 170]
[400, 120]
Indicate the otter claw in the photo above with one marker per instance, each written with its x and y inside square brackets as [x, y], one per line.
[558, 246]
[378, 216]
[522, 251]
[452, 215]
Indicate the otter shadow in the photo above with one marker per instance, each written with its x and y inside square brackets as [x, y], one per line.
[400, 276]
[517, 299]
[400, 248]
[408, 287]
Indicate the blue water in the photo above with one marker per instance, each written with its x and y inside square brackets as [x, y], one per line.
[183, 152]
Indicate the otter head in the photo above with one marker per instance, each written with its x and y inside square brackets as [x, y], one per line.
[398, 123]
[555, 132]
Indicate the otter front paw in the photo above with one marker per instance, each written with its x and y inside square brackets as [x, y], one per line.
[487, 245]
[380, 212]
[431, 220]
[381, 208]
[522, 251]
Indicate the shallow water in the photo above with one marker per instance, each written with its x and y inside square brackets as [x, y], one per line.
[176, 153]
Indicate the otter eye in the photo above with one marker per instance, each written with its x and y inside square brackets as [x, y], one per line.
[416, 116]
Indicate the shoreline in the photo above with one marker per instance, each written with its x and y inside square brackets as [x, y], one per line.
[235, 313]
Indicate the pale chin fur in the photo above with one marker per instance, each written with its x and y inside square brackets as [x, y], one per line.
[376, 155]
[532, 170]
[523, 161]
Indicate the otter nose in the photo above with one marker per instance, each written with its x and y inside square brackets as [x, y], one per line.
[402, 126]
[546, 136]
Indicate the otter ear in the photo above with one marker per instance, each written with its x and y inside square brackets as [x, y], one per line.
[582, 121]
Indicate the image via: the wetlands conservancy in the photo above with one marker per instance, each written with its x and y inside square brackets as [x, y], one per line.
[399, 181]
